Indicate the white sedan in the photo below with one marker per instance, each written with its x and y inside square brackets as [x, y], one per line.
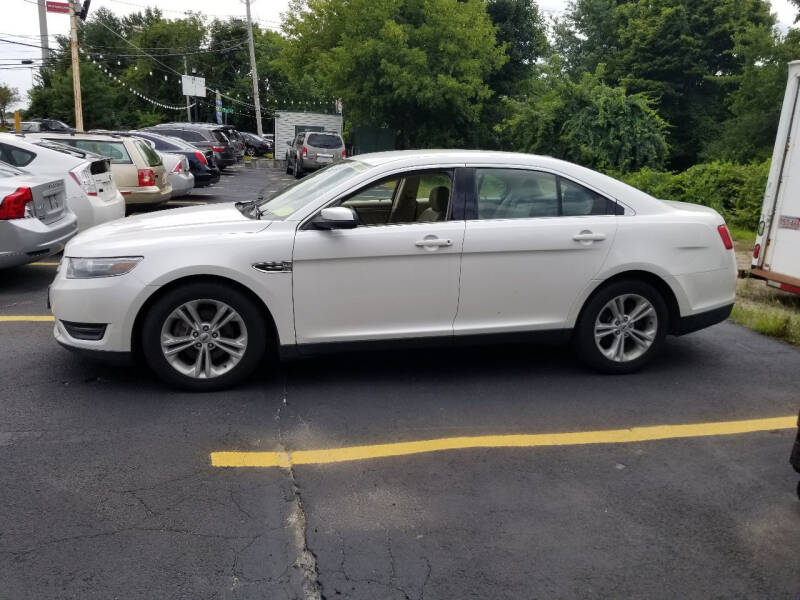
[393, 248]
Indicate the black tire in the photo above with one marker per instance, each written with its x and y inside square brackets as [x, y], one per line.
[298, 168]
[157, 315]
[288, 165]
[584, 334]
[250, 151]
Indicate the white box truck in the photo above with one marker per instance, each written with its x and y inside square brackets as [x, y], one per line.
[776, 255]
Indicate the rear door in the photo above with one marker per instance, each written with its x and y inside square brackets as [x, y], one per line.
[533, 242]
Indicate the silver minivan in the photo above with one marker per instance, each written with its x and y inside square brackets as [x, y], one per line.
[312, 150]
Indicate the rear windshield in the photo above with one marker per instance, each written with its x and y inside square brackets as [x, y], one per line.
[150, 156]
[221, 137]
[114, 150]
[160, 142]
[324, 140]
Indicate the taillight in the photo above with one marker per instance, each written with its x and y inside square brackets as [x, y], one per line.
[217, 148]
[146, 177]
[83, 177]
[756, 250]
[344, 153]
[201, 157]
[305, 151]
[178, 167]
[726, 237]
[15, 206]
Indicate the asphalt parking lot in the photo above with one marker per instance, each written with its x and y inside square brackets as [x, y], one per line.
[109, 487]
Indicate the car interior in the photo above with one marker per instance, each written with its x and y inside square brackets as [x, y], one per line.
[418, 198]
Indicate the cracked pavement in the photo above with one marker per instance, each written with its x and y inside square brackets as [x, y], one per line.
[107, 491]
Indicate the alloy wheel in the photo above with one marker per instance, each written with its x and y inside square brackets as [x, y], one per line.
[626, 327]
[203, 339]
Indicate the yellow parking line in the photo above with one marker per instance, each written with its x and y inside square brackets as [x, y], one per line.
[43, 264]
[26, 318]
[610, 436]
[186, 202]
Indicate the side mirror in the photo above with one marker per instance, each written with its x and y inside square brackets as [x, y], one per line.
[288, 143]
[337, 217]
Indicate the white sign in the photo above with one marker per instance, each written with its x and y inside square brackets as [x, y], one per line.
[193, 86]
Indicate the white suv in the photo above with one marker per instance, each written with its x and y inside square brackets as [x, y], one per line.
[395, 247]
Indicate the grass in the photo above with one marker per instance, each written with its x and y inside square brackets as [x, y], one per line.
[767, 310]
[743, 236]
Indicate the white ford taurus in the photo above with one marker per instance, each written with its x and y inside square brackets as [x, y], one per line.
[398, 247]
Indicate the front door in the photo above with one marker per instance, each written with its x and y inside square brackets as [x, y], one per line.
[394, 276]
[532, 245]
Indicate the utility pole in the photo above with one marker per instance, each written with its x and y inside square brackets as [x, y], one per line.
[188, 106]
[253, 71]
[43, 32]
[76, 71]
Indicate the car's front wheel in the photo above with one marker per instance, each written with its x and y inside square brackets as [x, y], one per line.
[203, 336]
[250, 151]
[298, 167]
[622, 327]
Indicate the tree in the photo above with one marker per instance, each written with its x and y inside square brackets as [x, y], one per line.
[755, 105]
[8, 96]
[588, 122]
[416, 66]
[679, 52]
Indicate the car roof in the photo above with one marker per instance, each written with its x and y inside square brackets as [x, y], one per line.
[96, 137]
[33, 144]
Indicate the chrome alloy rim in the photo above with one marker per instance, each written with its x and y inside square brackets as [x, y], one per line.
[203, 338]
[626, 327]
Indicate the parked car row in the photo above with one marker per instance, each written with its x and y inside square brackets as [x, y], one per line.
[55, 182]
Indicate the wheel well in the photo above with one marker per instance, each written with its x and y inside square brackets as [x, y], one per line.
[654, 280]
[136, 337]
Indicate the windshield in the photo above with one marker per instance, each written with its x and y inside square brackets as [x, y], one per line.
[291, 199]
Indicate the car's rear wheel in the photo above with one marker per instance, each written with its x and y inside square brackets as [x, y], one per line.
[251, 151]
[622, 327]
[288, 165]
[298, 168]
[203, 336]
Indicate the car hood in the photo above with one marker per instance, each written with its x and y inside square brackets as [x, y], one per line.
[175, 227]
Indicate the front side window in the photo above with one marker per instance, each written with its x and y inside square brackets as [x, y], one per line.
[410, 198]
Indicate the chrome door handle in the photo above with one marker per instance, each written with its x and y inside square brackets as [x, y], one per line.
[433, 242]
[588, 236]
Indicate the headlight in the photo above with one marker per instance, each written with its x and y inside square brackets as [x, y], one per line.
[86, 268]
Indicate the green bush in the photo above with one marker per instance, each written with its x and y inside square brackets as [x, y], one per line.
[736, 191]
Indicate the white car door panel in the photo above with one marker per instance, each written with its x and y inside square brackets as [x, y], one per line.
[519, 274]
[373, 283]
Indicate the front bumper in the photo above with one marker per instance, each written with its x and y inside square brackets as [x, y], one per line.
[111, 301]
[26, 240]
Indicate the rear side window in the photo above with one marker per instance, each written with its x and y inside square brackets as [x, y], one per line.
[221, 137]
[16, 156]
[516, 194]
[114, 150]
[150, 156]
[324, 140]
[578, 201]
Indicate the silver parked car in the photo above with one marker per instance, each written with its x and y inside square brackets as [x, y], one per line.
[34, 219]
[312, 150]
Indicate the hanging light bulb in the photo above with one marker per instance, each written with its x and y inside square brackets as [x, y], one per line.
[118, 63]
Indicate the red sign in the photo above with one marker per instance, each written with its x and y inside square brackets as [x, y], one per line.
[57, 7]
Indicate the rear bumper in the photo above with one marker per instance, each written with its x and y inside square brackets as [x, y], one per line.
[182, 183]
[25, 240]
[206, 177]
[701, 320]
[146, 194]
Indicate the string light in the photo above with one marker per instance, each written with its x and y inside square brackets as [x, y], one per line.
[141, 95]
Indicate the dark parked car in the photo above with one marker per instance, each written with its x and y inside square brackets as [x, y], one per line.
[236, 138]
[254, 145]
[205, 136]
[38, 125]
[201, 163]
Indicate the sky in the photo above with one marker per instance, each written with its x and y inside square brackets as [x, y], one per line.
[24, 22]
